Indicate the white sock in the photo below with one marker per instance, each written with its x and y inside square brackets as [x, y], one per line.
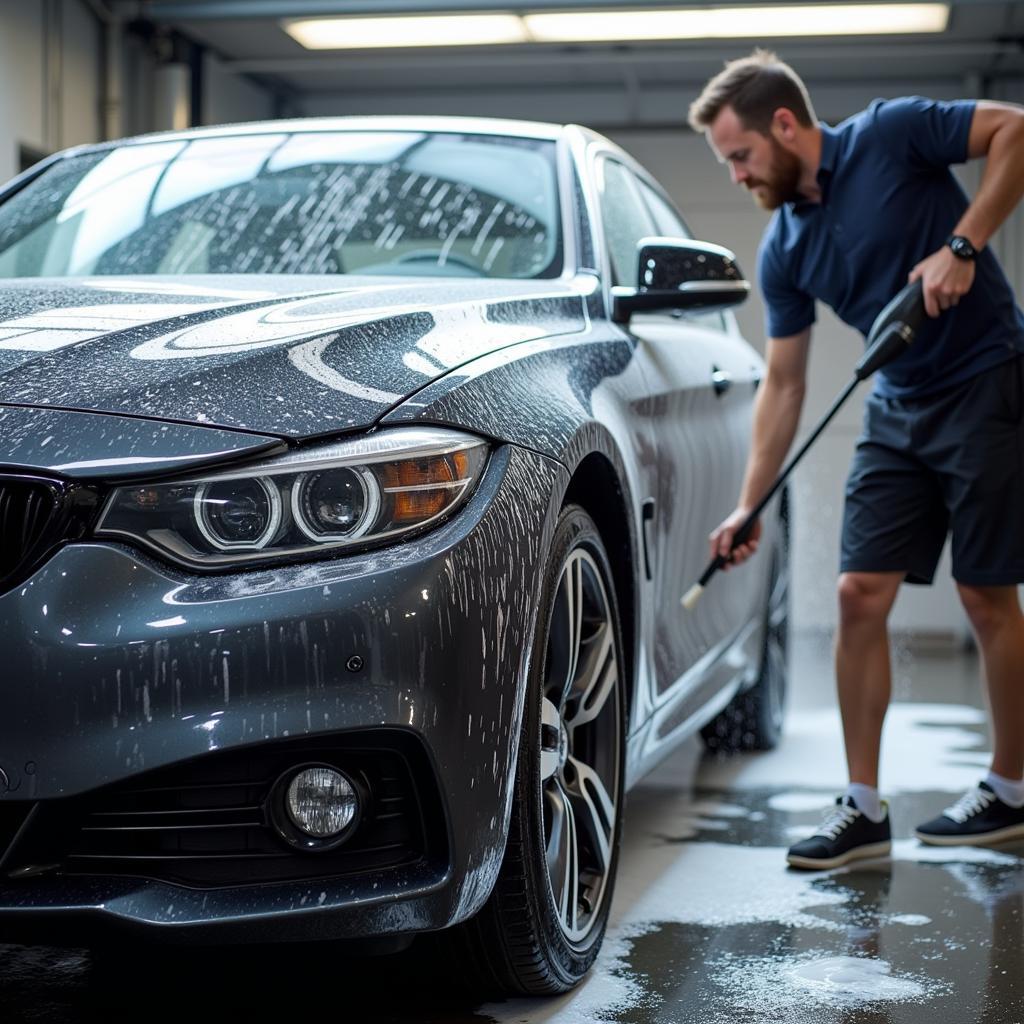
[868, 802]
[1010, 791]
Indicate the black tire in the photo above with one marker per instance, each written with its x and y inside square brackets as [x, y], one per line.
[521, 942]
[753, 719]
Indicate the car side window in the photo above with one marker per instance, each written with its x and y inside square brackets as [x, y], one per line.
[625, 218]
[669, 223]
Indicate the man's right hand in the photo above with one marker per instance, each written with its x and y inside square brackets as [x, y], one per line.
[721, 539]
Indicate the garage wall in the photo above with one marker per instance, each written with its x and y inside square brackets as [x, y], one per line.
[138, 90]
[230, 98]
[1009, 242]
[51, 82]
[49, 77]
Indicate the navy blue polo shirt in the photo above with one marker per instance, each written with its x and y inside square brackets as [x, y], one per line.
[889, 200]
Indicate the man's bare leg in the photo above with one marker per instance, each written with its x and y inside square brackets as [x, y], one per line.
[998, 624]
[858, 827]
[863, 673]
[994, 811]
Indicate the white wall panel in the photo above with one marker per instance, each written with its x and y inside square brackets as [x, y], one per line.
[138, 99]
[49, 77]
[79, 99]
[230, 98]
[21, 81]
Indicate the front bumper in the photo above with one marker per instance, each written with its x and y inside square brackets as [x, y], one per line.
[115, 665]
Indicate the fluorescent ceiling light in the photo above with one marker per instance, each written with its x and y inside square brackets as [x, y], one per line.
[431, 30]
[737, 22]
[754, 22]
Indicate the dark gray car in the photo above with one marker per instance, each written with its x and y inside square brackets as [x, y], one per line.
[351, 473]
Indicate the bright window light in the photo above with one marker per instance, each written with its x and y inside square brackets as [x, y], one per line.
[737, 22]
[431, 30]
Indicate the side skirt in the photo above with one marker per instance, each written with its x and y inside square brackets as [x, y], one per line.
[704, 690]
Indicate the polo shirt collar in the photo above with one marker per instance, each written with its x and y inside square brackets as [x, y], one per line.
[829, 149]
[827, 163]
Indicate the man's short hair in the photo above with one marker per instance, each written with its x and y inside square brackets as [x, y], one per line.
[755, 87]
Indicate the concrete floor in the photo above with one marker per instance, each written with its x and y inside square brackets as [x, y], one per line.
[708, 925]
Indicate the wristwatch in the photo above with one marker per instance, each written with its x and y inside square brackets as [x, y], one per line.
[962, 247]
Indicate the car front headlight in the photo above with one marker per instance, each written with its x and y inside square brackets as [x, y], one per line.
[342, 495]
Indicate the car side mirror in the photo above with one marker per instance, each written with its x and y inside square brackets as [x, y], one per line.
[675, 273]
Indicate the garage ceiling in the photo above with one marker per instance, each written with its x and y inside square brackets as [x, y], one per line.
[984, 42]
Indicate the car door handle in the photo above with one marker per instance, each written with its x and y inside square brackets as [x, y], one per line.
[721, 381]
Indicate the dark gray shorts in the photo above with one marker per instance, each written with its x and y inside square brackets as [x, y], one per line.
[925, 466]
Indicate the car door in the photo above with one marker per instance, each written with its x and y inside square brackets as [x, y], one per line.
[700, 379]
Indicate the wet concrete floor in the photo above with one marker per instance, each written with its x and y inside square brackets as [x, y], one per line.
[708, 924]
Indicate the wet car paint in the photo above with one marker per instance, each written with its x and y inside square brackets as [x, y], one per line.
[90, 446]
[178, 663]
[652, 415]
[289, 364]
[735, 937]
[157, 696]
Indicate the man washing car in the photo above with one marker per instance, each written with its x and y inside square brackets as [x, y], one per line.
[858, 210]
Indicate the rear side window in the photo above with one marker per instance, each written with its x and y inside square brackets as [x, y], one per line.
[625, 218]
[665, 217]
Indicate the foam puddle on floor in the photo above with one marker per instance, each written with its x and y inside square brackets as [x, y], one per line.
[787, 990]
[854, 978]
[911, 920]
[800, 803]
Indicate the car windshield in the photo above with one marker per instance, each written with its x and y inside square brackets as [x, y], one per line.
[408, 203]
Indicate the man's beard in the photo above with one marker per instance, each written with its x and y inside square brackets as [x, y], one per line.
[781, 184]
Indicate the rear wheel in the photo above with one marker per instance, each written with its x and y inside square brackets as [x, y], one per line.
[542, 928]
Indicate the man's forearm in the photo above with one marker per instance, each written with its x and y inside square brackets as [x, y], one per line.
[1002, 185]
[776, 418]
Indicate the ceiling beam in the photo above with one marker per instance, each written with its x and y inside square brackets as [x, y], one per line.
[599, 57]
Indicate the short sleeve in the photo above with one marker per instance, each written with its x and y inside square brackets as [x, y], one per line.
[788, 310]
[927, 133]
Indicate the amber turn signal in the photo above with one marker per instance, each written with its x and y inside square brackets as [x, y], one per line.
[443, 469]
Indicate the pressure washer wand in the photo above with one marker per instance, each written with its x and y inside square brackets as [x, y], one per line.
[893, 330]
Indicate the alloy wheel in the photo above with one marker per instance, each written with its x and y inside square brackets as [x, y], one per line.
[579, 759]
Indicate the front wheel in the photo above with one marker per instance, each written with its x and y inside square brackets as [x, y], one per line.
[543, 925]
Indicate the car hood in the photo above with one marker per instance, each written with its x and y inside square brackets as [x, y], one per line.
[288, 356]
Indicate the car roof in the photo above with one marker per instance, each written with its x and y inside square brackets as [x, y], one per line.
[392, 123]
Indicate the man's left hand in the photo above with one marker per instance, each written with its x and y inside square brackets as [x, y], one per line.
[946, 279]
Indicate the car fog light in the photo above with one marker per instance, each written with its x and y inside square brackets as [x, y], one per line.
[321, 802]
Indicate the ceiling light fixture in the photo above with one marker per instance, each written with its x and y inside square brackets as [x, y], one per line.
[429, 30]
[738, 22]
[604, 26]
